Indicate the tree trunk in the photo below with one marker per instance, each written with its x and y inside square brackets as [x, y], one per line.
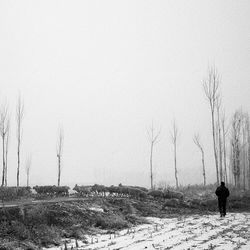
[224, 153]
[3, 173]
[175, 165]
[6, 165]
[220, 153]
[237, 167]
[151, 166]
[18, 163]
[219, 140]
[27, 180]
[215, 151]
[18, 149]
[249, 160]
[59, 170]
[203, 167]
[248, 139]
[244, 156]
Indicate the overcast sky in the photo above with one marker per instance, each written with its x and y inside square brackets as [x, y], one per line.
[105, 69]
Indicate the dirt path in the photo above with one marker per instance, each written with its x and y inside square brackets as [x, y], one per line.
[26, 202]
[186, 233]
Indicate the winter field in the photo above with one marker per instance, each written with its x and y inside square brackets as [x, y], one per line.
[183, 233]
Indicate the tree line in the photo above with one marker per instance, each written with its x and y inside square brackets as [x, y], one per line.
[5, 118]
[230, 137]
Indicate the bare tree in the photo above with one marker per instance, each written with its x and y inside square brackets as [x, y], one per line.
[59, 153]
[6, 154]
[240, 149]
[248, 144]
[236, 146]
[174, 137]
[244, 150]
[199, 145]
[19, 119]
[4, 128]
[153, 137]
[231, 162]
[224, 134]
[219, 141]
[211, 89]
[27, 169]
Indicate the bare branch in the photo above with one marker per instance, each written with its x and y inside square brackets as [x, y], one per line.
[211, 90]
[174, 133]
[211, 86]
[153, 137]
[197, 142]
[60, 142]
[174, 136]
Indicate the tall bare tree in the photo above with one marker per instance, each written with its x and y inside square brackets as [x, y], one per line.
[248, 147]
[19, 120]
[197, 142]
[224, 135]
[244, 151]
[59, 150]
[27, 169]
[4, 129]
[219, 139]
[236, 146]
[240, 149]
[7, 141]
[211, 89]
[153, 137]
[174, 138]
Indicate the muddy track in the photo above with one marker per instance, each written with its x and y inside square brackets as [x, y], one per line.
[34, 202]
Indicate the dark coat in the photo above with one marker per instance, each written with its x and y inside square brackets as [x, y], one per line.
[222, 192]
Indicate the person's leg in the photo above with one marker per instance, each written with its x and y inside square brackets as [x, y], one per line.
[220, 207]
[224, 207]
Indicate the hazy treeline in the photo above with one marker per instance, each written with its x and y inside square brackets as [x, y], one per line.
[240, 149]
[5, 135]
[230, 136]
[5, 119]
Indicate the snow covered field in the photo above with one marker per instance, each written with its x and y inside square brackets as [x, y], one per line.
[184, 233]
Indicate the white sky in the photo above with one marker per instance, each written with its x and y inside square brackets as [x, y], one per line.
[105, 69]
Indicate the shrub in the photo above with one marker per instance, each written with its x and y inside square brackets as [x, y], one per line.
[168, 194]
[20, 231]
[13, 193]
[111, 222]
[82, 190]
[52, 190]
[156, 193]
[99, 189]
[46, 235]
[36, 215]
[113, 190]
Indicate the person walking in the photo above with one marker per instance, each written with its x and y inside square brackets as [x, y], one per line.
[222, 193]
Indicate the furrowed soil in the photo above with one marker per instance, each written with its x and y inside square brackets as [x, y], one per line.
[123, 223]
